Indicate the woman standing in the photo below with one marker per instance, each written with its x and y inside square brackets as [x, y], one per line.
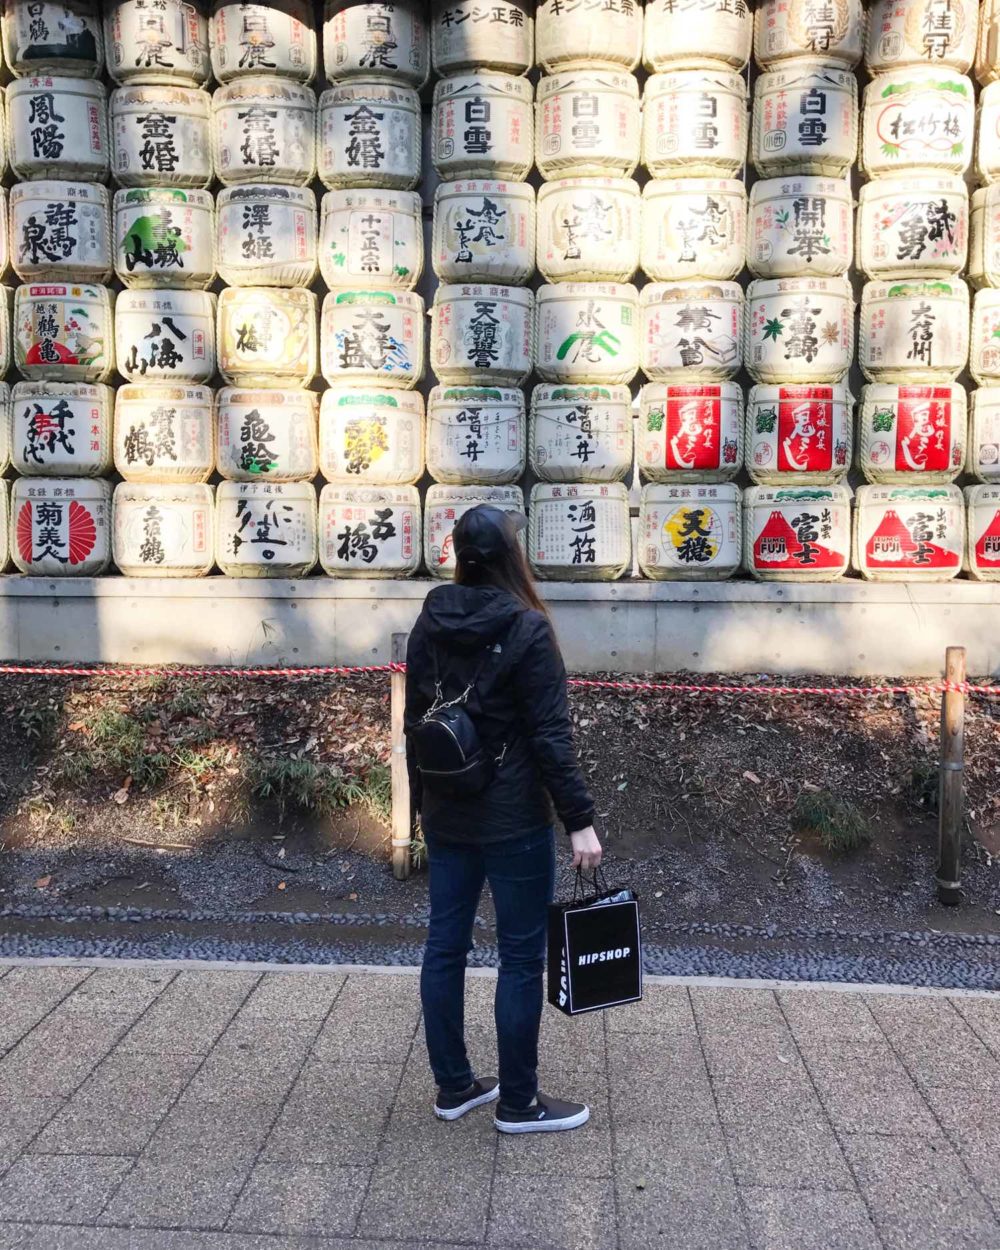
[489, 633]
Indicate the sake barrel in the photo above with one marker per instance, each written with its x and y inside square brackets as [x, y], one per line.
[988, 46]
[267, 235]
[163, 530]
[371, 238]
[809, 28]
[911, 32]
[915, 227]
[587, 124]
[44, 38]
[6, 435]
[475, 434]
[983, 457]
[61, 332]
[988, 135]
[587, 332]
[161, 136]
[984, 348]
[690, 532]
[58, 127]
[691, 330]
[164, 237]
[4, 525]
[468, 36]
[60, 526]
[372, 337]
[265, 529]
[9, 337]
[165, 336]
[385, 40]
[444, 505]
[580, 433]
[691, 431]
[5, 249]
[800, 226]
[799, 329]
[263, 39]
[796, 533]
[805, 119]
[984, 237]
[482, 126]
[579, 532]
[266, 435]
[920, 117]
[983, 532]
[589, 230]
[693, 228]
[369, 531]
[166, 42]
[716, 32]
[164, 433]
[801, 435]
[694, 122]
[569, 35]
[264, 130]
[484, 232]
[60, 230]
[914, 331]
[61, 429]
[371, 436]
[909, 533]
[482, 334]
[369, 135]
[912, 433]
[267, 336]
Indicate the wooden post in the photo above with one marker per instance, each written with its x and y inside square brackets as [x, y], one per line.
[401, 822]
[951, 793]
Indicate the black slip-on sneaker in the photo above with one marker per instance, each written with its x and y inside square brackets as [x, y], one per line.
[454, 1106]
[548, 1115]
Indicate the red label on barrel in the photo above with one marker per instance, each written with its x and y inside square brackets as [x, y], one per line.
[988, 544]
[923, 437]
[797, 540]
[912, 541]
[805, 429]
[693, 427]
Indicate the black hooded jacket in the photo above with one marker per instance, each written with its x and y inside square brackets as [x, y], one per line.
[518, 702]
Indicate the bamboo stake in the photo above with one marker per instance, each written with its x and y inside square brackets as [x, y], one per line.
[951, 793]
[401, 820]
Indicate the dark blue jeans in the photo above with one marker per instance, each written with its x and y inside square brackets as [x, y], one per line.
[521, 873]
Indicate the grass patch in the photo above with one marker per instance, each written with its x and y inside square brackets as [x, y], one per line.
[924, 786]
[321, 788]
[38, 721]
[838, 823]
[113, 746]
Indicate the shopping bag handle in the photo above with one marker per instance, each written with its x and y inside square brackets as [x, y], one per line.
[598, 882]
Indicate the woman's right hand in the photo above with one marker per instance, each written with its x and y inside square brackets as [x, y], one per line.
[587, 850]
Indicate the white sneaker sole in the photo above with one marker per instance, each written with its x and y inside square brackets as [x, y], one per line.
[456, 1113]
[543, 1126]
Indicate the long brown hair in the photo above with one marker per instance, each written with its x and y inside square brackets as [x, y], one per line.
[508, 571]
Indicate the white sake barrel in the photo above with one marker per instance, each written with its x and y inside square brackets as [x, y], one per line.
[58, 127]
[805, 119]
[4, 525]
[920, 117]
[444, 505]
[988, 47]
[371, 436]
[369, 135]
[831, 29]
[60, 230]
[7, 431]
[165, 42]
[587, 124]
[266, 436]
[690, 432]
[914, 32]
[982, 530]
[61, 429]
[911, 433]
[467, 36]
[691, 330]
[690, 532]
[60, 526]
[484, 232]
[267, 235]
[274, 38]
[44, 38]
[694, 122]
[984, 345]
[580, 532]
[267, 336]
[984, 237]
[61, 333]
[800, 226]
[801, 435]
[161, 137]
[799, 329]
[983, 455]
[580, 433]
[721, 34]
[265, 529]
[693, 228]
[371, 238]
[796, 533]
[5, 250]
[164, 433]
[589, 230]
[988, 135]
[59, 340]
[164, 237]
[914, 331]
[369, 531]
[482, 126]
[163, 530]
[383, 40]
[475, 434]
[914, 227]
[372, 337]
[165, 336]
[482, 334]
[587, 332]
[909, 533]
[570, 36]
[264, 130]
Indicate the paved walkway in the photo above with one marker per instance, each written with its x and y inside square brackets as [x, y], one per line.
[285, 1110]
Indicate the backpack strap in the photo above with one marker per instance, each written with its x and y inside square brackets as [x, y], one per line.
[439, 699]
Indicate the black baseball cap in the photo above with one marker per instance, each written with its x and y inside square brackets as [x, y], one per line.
[484, 532]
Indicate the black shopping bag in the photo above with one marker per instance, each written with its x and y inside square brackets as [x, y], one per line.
[595, 950]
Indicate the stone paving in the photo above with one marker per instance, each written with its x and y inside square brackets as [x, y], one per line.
[151, 1108]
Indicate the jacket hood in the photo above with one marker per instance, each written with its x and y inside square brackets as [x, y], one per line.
[469, 616]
